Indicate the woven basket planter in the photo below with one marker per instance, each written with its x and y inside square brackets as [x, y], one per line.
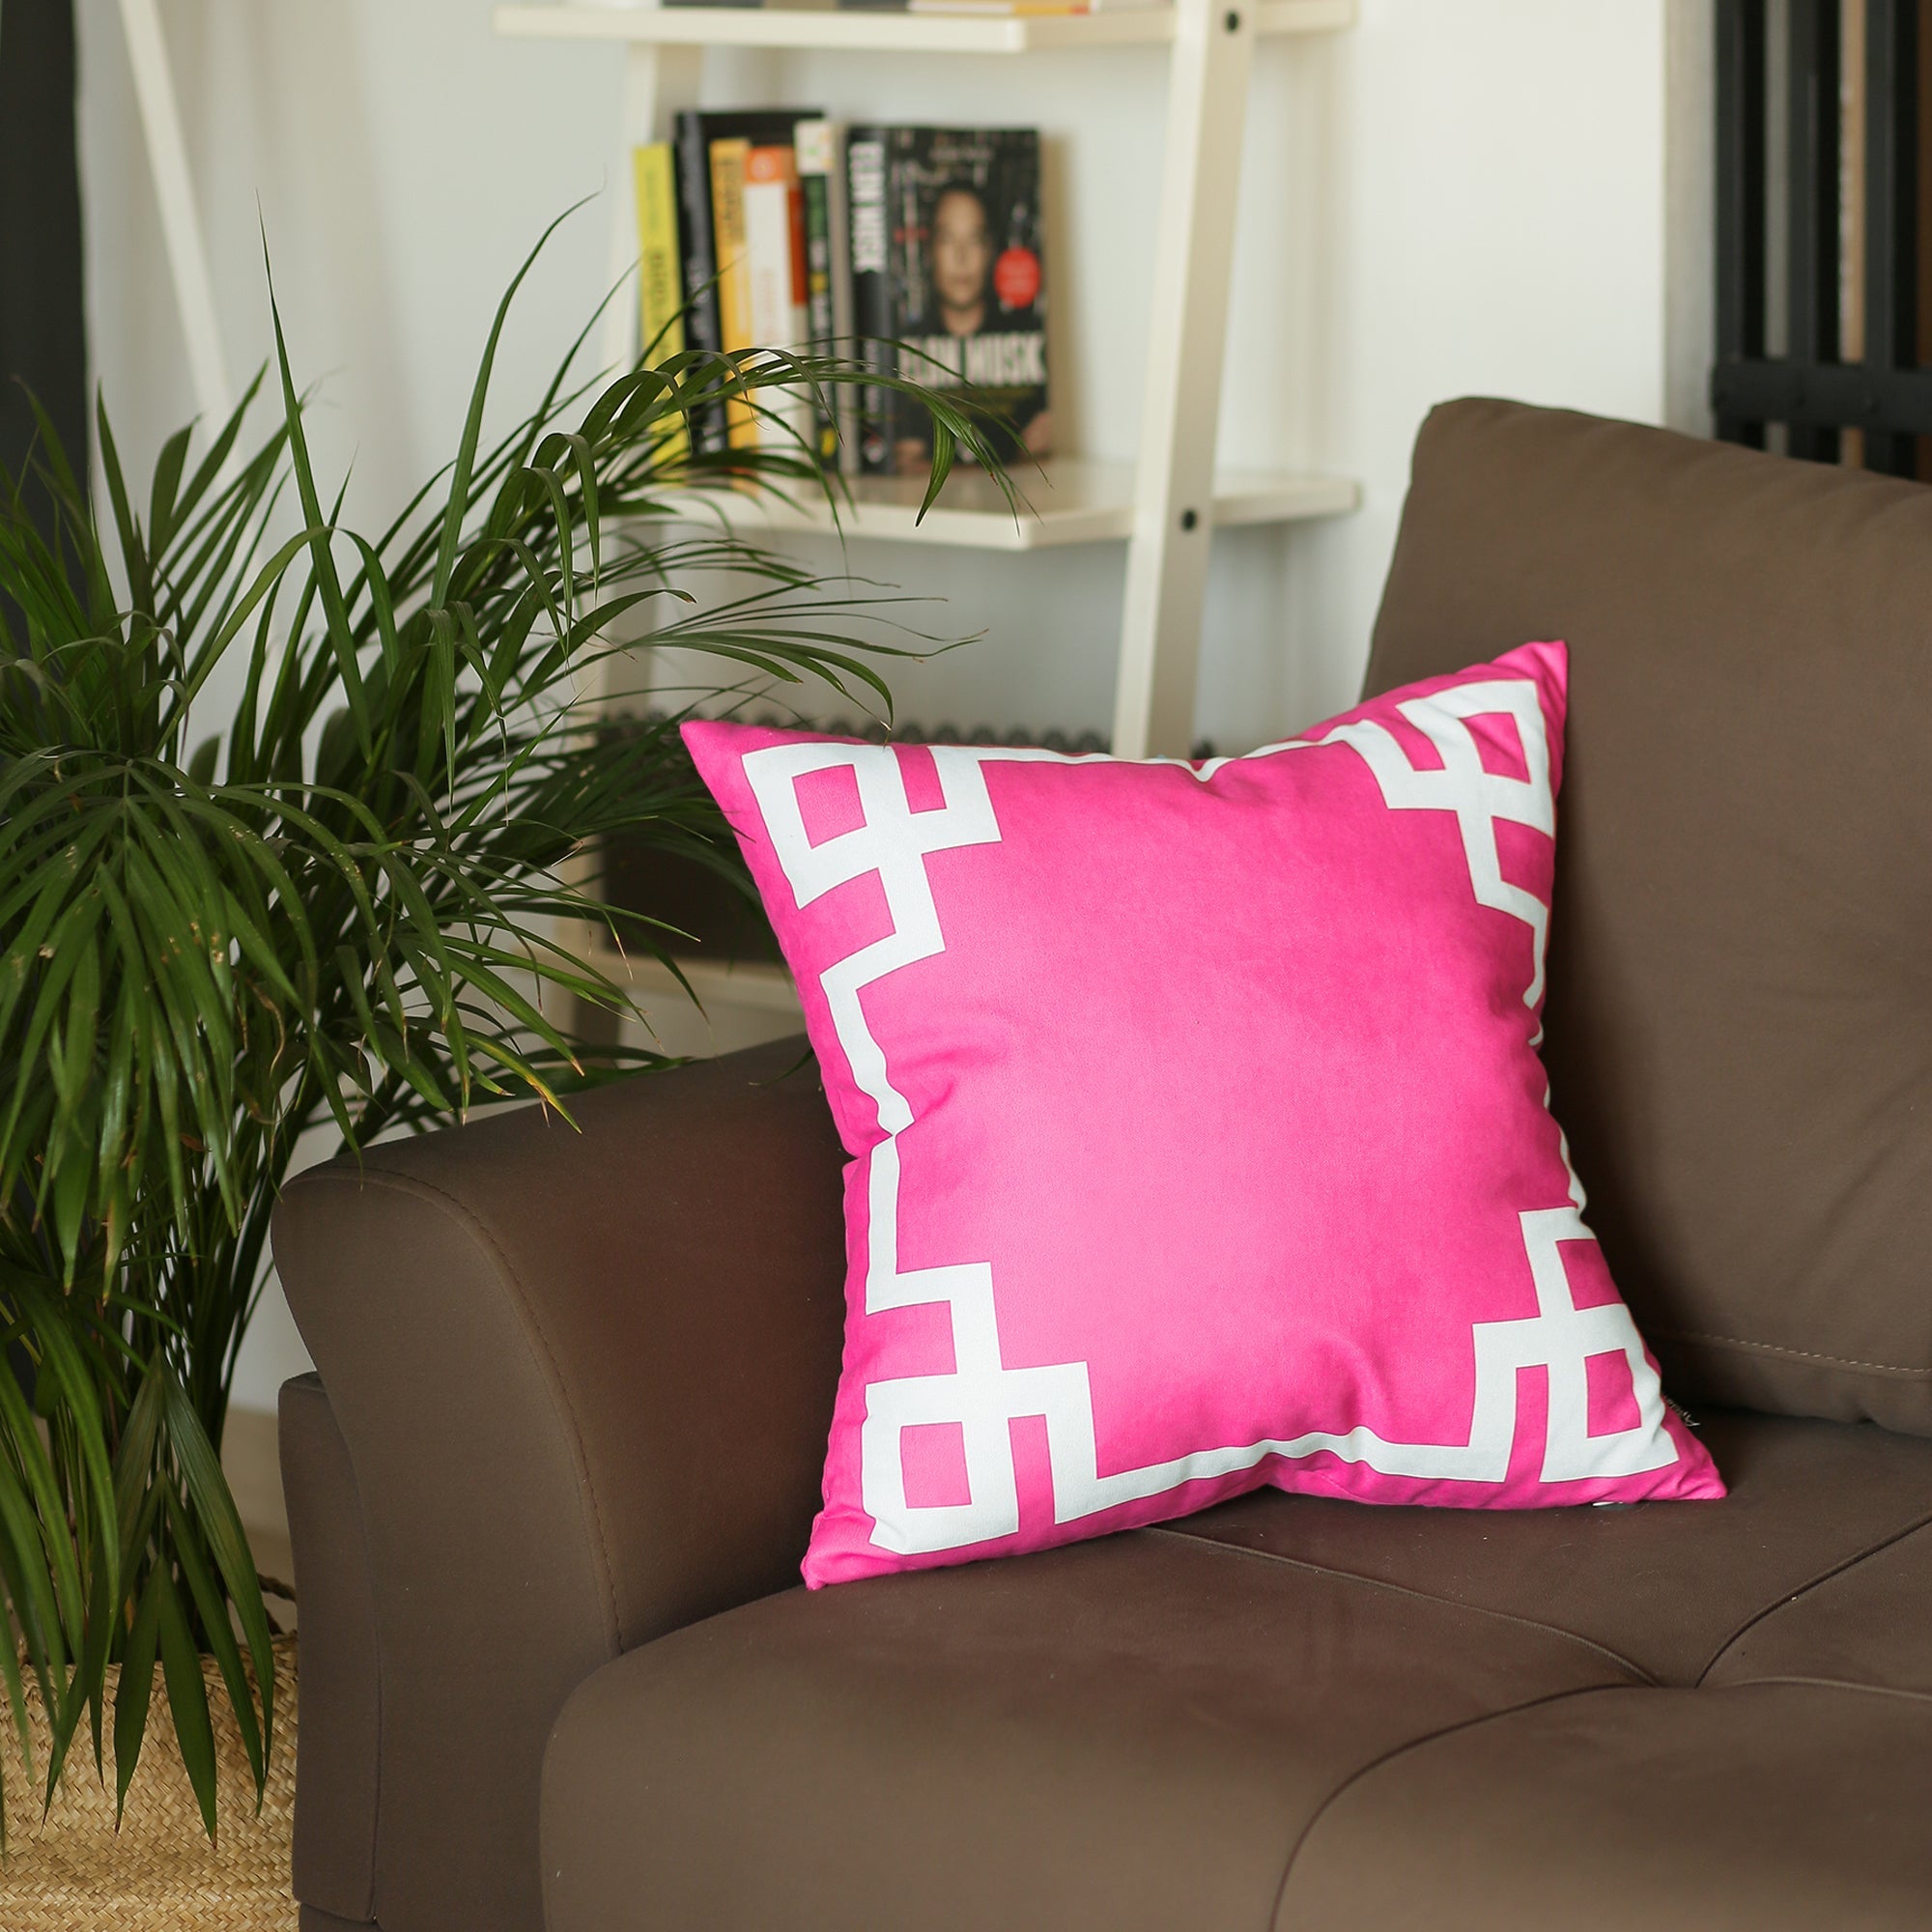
[73, 1872]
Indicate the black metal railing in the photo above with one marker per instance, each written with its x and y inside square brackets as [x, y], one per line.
[1841, 179]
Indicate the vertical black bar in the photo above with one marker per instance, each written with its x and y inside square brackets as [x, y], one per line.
[1920, 348]
[43, 333]
[1892, 185]
[1740, 196]
[1812, 249]
[43, 330]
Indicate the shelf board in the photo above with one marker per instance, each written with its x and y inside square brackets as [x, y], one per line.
[1071, 499]
[768, 989]
[863, 29]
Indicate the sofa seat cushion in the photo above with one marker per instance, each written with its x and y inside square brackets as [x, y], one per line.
[1129, 1733]
[1670, 1591]
[1187, 1725]
[1782, 1808]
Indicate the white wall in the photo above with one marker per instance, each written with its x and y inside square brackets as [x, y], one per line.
[1459, 196]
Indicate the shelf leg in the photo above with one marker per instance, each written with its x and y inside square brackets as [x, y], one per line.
[1174, 517]
[658, 84]
[181, 222]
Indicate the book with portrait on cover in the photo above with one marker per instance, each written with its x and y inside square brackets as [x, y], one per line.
[947, 266]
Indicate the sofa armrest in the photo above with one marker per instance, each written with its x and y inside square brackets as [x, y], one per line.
[583, 1379]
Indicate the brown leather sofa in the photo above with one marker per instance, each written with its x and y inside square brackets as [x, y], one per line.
[550, 1491]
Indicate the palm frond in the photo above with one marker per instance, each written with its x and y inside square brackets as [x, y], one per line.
[342, 909]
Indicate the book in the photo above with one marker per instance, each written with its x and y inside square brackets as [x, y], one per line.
[659, 262]
[660, 258]
[693, 134]
[962, 290]
[869, 253]
[775, 273]
[820, 153]
[735, 287]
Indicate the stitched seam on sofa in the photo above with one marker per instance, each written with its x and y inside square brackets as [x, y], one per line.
[1644, 1679]
[1828, 1684]
[1792, 1354]
[1395, 1751]
[541, 1349]
[368, 1916]
[376, 1624]
[366, 1912]
[1851, 1562]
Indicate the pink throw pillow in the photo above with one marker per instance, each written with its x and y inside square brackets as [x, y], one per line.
[1199, 1136]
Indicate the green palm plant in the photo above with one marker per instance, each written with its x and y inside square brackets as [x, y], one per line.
[338, 911]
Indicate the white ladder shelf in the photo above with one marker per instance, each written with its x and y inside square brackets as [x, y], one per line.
[1166, 504]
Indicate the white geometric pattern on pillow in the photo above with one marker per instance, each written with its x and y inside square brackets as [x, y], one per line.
[982, 1395]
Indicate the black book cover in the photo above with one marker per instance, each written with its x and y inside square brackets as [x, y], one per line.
[967, 275]
[692, 133]
[874, 322]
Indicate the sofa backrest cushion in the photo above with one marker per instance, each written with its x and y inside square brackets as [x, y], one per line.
[1740, 1013]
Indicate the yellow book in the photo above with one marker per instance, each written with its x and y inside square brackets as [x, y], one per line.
[734, 277]
[659, 267]
[660, 263]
